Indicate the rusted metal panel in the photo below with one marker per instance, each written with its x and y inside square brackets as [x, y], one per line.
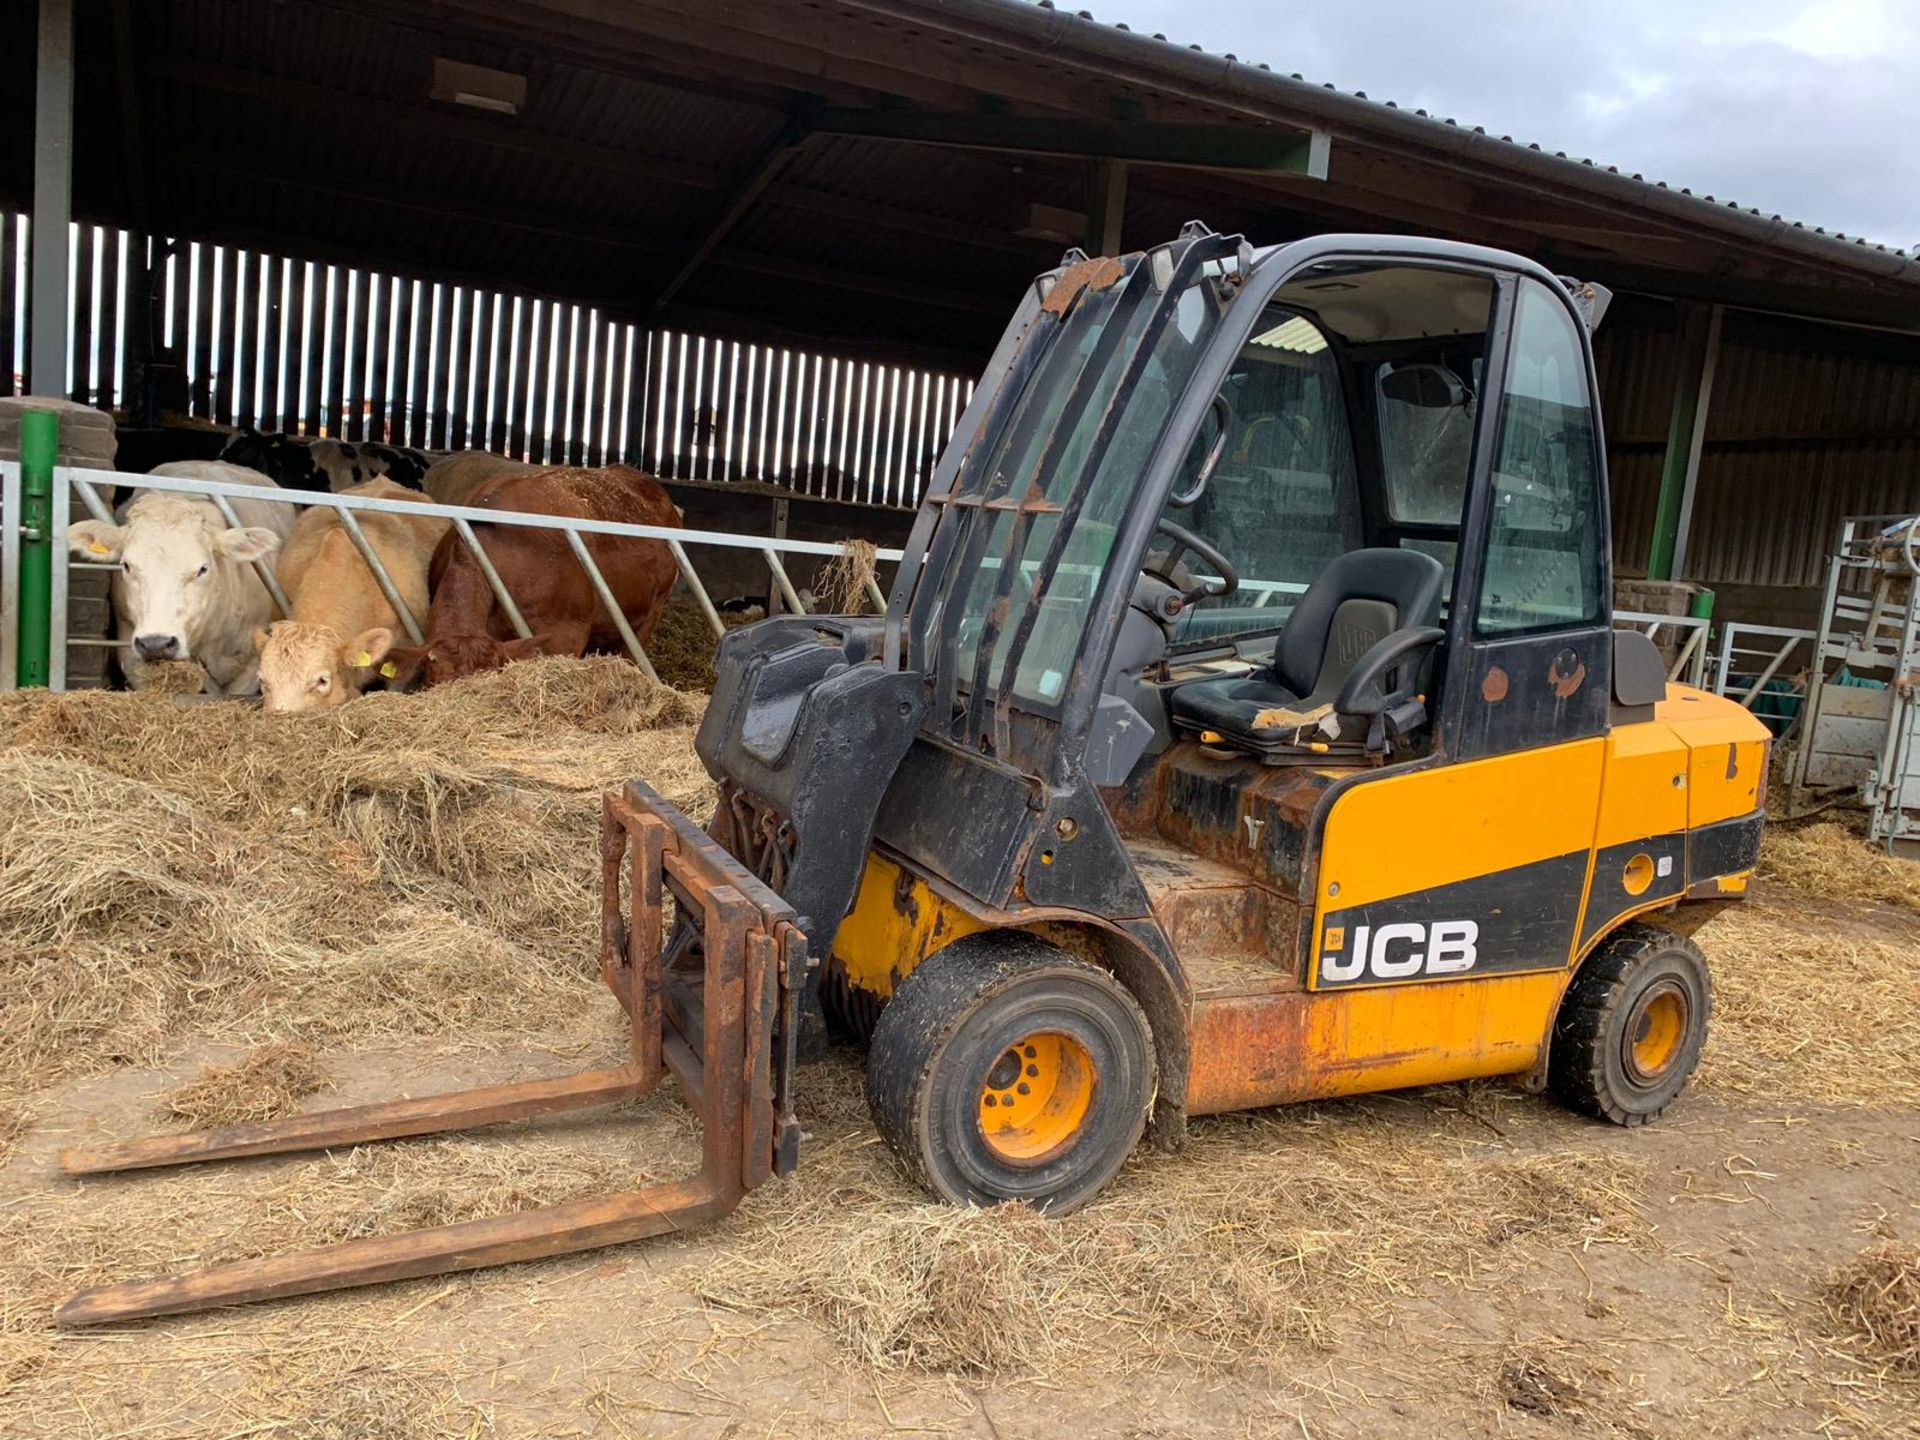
[1250, 1050]
[1095, 274]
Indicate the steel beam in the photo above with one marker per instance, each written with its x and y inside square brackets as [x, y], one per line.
[753, 184]
[1204, 147]
[1106, 206]
[51, 277]
[1687, 431]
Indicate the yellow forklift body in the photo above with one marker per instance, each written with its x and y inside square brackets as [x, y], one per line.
[1608, 817]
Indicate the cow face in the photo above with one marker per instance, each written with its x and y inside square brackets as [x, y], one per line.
[174, 557]
[310, 667]
[454, 657]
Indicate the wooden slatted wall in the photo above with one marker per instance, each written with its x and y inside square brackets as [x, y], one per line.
[319, 349]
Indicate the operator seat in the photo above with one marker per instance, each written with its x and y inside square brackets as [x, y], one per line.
[1358, 600]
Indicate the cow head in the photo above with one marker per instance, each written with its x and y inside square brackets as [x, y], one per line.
[173, 554]
[250, 448]
[310, 667]
[454, 657]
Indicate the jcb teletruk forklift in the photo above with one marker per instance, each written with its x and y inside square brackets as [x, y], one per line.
[1247, 725]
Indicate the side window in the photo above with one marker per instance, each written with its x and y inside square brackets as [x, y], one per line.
[1543, 568]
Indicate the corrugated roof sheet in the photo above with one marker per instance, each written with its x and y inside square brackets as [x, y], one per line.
[1533, 146]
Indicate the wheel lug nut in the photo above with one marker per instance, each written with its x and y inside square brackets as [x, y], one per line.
[1024, 1088]
[1033, 1071]
[1029, 1052]
[991, 1100]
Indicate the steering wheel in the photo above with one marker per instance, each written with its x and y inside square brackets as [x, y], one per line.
[1184, 540]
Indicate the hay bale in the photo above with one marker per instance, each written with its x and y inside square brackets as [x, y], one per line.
[1829, 859]
[1875, 1298]
[408, 864]
[842, 582]
[269, 1083]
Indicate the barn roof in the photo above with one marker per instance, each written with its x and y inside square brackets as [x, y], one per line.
[874, 173]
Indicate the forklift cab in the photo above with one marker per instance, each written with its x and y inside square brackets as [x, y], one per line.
[1297, 598]
[1291, 458]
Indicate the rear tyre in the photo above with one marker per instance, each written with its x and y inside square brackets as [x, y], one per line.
[1005, 1069]
[1632, 1026]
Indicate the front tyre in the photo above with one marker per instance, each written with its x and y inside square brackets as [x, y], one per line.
[1632, 1026]
[1005, 1069]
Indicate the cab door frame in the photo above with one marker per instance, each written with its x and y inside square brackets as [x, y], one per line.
[1517, 763]
[1544, 687]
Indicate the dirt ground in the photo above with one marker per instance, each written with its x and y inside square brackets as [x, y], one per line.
[1463, 1260]
[1687, 1303]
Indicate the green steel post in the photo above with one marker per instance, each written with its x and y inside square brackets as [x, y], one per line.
[39, 446]
[1673, 512]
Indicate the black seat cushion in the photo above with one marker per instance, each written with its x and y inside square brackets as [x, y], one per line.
[1359, 599]
[1229, 706]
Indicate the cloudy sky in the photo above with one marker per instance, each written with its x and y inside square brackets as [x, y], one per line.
[1804, 107]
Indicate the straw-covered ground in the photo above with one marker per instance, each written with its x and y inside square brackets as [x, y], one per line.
[208, 914]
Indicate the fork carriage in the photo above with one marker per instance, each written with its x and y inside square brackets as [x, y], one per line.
[717, 1008]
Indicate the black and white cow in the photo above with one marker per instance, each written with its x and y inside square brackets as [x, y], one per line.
[297, 464]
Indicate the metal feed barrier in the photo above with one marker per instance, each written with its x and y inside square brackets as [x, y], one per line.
[1762, 652]
[61, 483]
[27, 534]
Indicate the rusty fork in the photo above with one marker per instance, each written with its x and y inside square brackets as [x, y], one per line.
[724, 1030]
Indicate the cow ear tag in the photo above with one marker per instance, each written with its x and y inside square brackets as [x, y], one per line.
[387, 669]
[97, 548]
[363, 659]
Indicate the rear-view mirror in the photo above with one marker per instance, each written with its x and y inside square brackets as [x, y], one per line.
[1428, 386]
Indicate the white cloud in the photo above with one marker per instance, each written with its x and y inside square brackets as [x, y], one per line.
[1795, 106]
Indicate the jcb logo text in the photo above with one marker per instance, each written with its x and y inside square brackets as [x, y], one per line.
[1399, 951]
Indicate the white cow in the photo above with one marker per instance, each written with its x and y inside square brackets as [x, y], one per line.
[186, 588]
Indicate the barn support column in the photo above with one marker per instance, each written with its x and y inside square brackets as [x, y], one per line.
[52, 201]
[1680, 475]
[1106, 206]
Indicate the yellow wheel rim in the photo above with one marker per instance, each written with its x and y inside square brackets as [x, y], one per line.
[1656, 1031]
[1035, 1097]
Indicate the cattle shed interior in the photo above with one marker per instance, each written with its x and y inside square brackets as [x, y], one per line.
[687, 233]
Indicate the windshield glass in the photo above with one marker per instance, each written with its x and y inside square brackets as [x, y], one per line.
[1041, 457]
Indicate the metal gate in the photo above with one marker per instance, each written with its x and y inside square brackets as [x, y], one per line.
[1860, 731]
[36, 571]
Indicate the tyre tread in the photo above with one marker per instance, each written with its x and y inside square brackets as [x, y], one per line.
[1577, 1064]
[927, 1005]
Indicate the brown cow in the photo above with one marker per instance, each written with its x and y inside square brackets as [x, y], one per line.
[468, 632]
[455, 479]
